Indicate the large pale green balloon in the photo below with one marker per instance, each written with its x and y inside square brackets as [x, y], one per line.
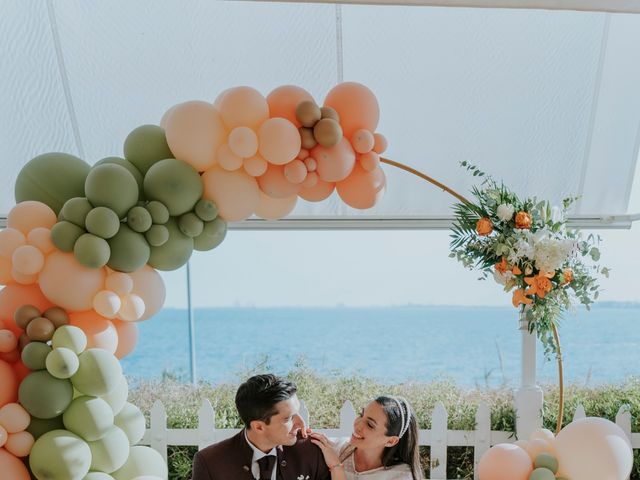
[129, 250]
[175, 252]
[110, 452]
[545, 460]
[99, 372]
[145, 146]
[62, 362]
[45, 396]
[103, 222]
[542, 474]
[60, 455]
[71, 337]
[75, 210]
[98, 476]
[89, 417]
[34, 355]
[129, 166]
[212, 235]
[52, 178]
[40, 426]
[117, 398]
[112, 186]
[91, 251]
[65, 234]
[174, 183]
[132, 422]
[142, 461]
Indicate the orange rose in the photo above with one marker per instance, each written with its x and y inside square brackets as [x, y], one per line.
[523, 220]
[568, 275]
[484, 227]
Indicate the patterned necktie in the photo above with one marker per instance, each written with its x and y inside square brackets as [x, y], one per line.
[266, 465]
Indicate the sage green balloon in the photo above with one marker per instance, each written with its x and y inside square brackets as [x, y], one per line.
[142, 461]
[212, 235]
[98, 476]
[145, 146]
[92, 251]
[71, 337]
[139, 219]
[102, 222]
[129, 250]
[175, 252]
[60, 455]
[52, 178]
[174, 183]
[545, 460]
[89, 417]
[190, 224]
[130, 167]
[39, 426]
[112, 186]
[75, 210]
[45, 396]
[110, 452]
[62, 362]
[159, 213]
[132, 422]
[99, 372]
[542, 474]
[206, 210]
[34, 355]
[157, 235]
[117, 397]
[65, 234]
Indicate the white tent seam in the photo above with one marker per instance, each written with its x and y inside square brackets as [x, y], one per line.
[339, 49]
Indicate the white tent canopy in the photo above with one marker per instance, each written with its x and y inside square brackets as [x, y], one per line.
[548, 101]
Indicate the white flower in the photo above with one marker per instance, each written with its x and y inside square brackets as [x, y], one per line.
[502, 278]
[557, 215]
[505, 212]
[551, 253]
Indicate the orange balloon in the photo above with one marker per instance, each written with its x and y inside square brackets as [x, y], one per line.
[275, 208]
[275, 184]
[362, 141]
[318, 192]
[5, 271]
[236, 194]
[369, 161]
[8, 340]
[243, 107]
[21, 371]
[380, 144]
[356, 105]
[12, 467]
[362, 189]
[279, 141]
[14, 296]
[28, 215]
[284, 100]
[505, 461]
[148, 285]
[10, 357]
[100, 331]
[127, 337]
[8, 384]
[335, 163]
[295, 171]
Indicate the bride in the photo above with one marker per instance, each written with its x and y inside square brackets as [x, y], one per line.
[383, 446]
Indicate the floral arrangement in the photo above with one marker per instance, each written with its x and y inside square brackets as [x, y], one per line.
[526, 246]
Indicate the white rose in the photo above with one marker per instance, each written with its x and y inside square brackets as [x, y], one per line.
[505, 212]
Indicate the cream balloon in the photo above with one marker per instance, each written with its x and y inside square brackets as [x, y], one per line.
[107, 303]
[505, 461]
[148, 284]
[243, 107]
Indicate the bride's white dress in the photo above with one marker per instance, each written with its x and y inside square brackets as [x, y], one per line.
[345, 452]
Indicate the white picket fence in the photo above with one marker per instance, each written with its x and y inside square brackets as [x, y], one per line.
[438, 437]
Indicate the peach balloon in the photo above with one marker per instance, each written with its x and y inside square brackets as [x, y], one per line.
[148, 284]
[5, 271]
[227, 159]
[68, 284]
[4, 436]
[10, 239]
[336, 163]
[14, 296]
[21, 371]
[380, 143]
[275, 184]
[119, 282]
[23, 279]
[311, 180]
[236, 194]
[369, 161]
[218, 100]
[165, 117]
[12, 467]
[538, 446]
[543, 434]
[275, 208]
[14, 418]
[243, 142]
[19, 444]
[255, 166]
[303, 153]
[284, 100]
[295, 171]
[243, 107]
[318, 192]
[194, 132]
[10, 357]
[8, 340]
[107, 303]
[362, 141]
[27, 260]
[8, 384]
[132, 308]
[40, 238]
[362, 189]
[30, 214]
[505, 461]
[356, 105]
[522, 444]
[279, 141]
[100, 331]
[311, 164]
[127, 337]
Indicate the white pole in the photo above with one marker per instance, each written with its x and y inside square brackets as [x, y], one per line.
[529, 397]
[192, 330]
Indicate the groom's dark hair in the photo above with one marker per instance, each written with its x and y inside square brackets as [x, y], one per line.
[257, 397]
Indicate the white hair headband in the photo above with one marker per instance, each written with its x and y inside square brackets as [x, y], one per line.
[405, 420]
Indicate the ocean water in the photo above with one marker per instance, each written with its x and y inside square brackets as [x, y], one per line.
[476, 346]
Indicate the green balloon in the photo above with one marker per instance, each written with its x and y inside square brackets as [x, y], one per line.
[62, 362]
[545, 460]
[190, 224]
[175, 252]
[39, 426]
[174, 183]
[542, 474]
[212, 235]
[142, 461]
[60, 455]
[75, 210]
[206, 210]
[117, 397]
[64, 235]
[34, 355]
[99, 372]
[45, 396]
[69, 337]
[112, 186]
[157, 235]
[92, 251]
[89, 417]
[98, 476]
[129, 166]
[102, 222]
[110, 452]
[145, 146]
[129, 250]
[139, 219]
[132, 422]
[159, 213]
[52, 178]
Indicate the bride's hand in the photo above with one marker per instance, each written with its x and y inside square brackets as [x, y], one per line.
[330, 455]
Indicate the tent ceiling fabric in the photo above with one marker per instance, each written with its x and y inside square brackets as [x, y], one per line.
[547, 101]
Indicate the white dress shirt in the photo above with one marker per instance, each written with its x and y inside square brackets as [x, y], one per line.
[257, 455]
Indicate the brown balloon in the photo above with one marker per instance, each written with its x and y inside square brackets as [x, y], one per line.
[328, 112]
[24, 314]
[308, 140]
[23, 341]
[57, 316]
[40, 329]
[308, 113]
[327, 132]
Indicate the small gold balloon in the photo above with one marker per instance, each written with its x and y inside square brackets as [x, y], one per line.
[23, 341]
[327, 132]
[57, 316]
[24, 314]
[308, 113]
[40, 329]
[328, 112]
[308, 140]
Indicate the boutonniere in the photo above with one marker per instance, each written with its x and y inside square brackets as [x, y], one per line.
[303, 477]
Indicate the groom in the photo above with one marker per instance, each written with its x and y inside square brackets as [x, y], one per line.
[270, 446]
